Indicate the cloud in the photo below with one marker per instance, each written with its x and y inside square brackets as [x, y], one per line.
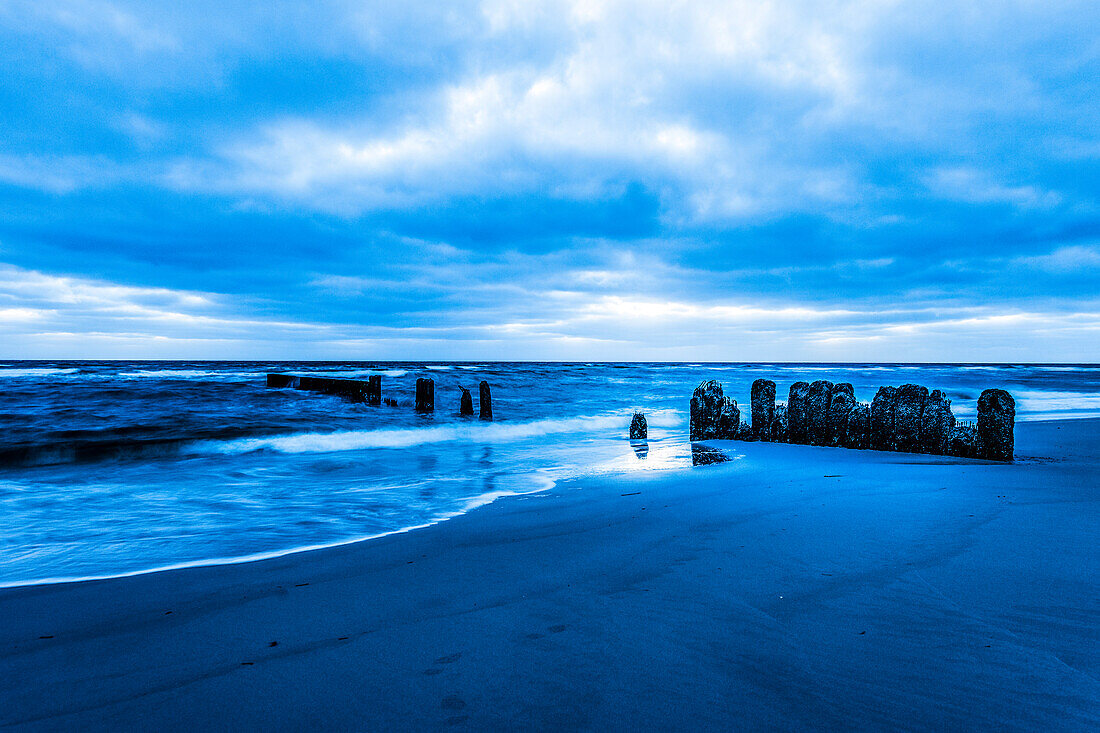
[606, 107]
[38, 308]
[60, 174]
[975, 186]
[559, 179]
[1076, 259]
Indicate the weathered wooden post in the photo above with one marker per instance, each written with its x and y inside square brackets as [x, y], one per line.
[466, 405]
[714, 416]
[996, 424]
[374, 390]
[486, 401]
[763, 408]
[425, 395]
[639, 429]
[798, 413]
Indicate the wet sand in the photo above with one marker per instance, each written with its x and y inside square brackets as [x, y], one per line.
[793, 588]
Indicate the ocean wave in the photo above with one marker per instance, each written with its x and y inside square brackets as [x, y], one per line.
[1040, 402]
[36, 372]
[439, 368]
[496, 432]
[184, 374]
[540, 484]
[351, 373]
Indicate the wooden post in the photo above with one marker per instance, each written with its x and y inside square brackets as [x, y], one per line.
[486, 400]
[425, 395]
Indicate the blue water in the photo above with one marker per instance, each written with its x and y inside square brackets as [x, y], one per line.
[109, 468]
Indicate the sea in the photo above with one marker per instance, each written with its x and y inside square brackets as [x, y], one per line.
[123, 467]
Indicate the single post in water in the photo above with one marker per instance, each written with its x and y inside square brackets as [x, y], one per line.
[486, 400]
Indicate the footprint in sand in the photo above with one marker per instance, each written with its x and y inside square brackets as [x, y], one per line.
[449, 659]
[557, 628]
[433, 671]
[453, 702]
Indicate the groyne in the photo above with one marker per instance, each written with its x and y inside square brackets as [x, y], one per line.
[907, 419]
[356, 390]
[370, 392]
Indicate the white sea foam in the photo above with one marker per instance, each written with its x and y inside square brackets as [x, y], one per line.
[495, 432]
[540, 483]
[185, 374]
[1038, 404]
[352, 373]
[36, 372]
[439, 368]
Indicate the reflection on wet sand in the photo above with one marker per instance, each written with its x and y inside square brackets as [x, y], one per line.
[702, 455]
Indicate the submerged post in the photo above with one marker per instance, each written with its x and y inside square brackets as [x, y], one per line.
[374, 390]
[425, 395]
[466, 404]
[486, 401]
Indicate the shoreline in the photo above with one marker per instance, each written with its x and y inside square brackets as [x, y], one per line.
[474, 503]
[798, 587]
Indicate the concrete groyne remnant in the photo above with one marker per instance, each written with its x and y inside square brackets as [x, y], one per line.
[639, 428]
[466, 403]
[485, 400]
[909, 419]
[356, 390]
[425, 395]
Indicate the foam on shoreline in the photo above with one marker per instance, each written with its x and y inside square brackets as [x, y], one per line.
[471, 504]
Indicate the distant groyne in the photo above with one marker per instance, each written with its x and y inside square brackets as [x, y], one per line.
[908, 419]
[370, 391]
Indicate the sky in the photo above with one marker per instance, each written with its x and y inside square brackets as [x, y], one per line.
[681, 181]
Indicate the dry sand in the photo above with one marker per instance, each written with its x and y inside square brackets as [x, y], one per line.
[796, 588]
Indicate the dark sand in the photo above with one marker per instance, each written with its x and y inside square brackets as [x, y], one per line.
[796, 588]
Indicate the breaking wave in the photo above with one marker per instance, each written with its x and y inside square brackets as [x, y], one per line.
[35, 372]
[475, 432]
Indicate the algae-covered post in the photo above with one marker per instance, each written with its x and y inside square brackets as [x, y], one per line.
[713, 415]
[882, 419]
[842, 403]
[818, 398]
[639, 429]
[485, 400]
[996, 425]
[763, 408]
[907, 419]
[425, 395]
[937, 423]
[797, 412]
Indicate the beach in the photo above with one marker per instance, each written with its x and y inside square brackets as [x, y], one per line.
[792, 588]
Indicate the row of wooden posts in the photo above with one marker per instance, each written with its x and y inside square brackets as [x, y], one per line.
[370, 392]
